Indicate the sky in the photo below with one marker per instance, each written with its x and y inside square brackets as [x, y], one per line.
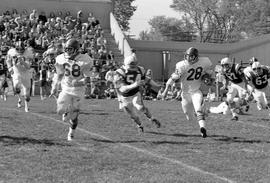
[147, 9]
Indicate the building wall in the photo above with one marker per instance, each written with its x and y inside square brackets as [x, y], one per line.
[150, 54]
[100, 8]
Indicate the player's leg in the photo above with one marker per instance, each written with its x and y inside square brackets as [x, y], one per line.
[5, 89]
[129, 108]
[26, 87]
[42, 89]
[2, 82]
[187, 106]
[232, 92]
[74, 114]
[197, 101]
[139, 105]
[17, 90]
[63, 105]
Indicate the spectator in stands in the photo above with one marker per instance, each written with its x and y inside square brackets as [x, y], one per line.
[102, 52]
[101, 41]
[95, 81]
[33, 17]
[42, 17]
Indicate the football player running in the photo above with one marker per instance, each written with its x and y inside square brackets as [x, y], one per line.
[128, 81]
[19, 60]
[3, 76]
[236, 84]
[73, 71]
[190, 73]
[258, 81]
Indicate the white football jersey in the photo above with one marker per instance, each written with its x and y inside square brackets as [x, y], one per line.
[15, 59]
[190, 74]
[75, 69]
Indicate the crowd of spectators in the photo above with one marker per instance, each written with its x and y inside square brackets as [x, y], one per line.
[41, 32]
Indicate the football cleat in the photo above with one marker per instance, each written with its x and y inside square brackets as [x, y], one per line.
[19, 105]
[65, 117]
[203, 132]
[140, 128]
[70, 134]
[247, 108]
[26, 109]
[156, 122]
[234, 118]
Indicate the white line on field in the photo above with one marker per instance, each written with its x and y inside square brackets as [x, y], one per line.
[253, 124]
[160, 156]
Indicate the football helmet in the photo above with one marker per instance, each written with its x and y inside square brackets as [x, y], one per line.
[257, 68]
[192, 55]
[71, 48]
[20, 47]
[226, 64]
[252, 60]
[131, 62]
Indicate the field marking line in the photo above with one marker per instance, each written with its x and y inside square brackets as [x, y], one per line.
[253, 124]
[160, 156]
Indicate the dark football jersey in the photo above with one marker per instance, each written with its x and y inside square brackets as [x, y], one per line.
[260, 81]
[129, 76]
[235, 75]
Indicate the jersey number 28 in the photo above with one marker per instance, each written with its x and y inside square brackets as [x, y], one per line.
[194, 74]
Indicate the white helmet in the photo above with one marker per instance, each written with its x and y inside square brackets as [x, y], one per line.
[256, 65]
[257, 68]
[226, 60]
[130, 61]
[226, 64]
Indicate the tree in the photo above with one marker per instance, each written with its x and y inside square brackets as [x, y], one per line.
[168, 29]
[226, 20]
[122, 11]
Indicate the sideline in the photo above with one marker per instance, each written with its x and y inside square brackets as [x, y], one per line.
[160, 156]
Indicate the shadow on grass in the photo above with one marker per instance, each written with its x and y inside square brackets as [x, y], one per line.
[227, 139]
[140, 141]
[94, 113]
[176, 134]
[9, 140]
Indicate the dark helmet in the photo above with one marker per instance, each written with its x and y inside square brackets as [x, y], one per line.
[71, 48]
[193, 54]
[20, 47]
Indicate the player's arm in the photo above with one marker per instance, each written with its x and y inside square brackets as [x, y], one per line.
[9, 63]
[174, 77]
[86, 77]
[59, 76]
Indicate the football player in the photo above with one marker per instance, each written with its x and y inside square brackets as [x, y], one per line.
[19, 60]
[236, 84]
[189, 72]
[3, 76]
[73, 71]
[128, 81]
[258, 82]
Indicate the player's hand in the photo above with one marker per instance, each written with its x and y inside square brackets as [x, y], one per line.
[223, 88]
[163, 95]
[53, 92]
[140, 83]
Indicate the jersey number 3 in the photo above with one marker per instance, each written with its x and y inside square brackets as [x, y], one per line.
[74, 70]
[194, 74]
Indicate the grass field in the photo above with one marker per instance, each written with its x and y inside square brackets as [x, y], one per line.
[108, 147]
